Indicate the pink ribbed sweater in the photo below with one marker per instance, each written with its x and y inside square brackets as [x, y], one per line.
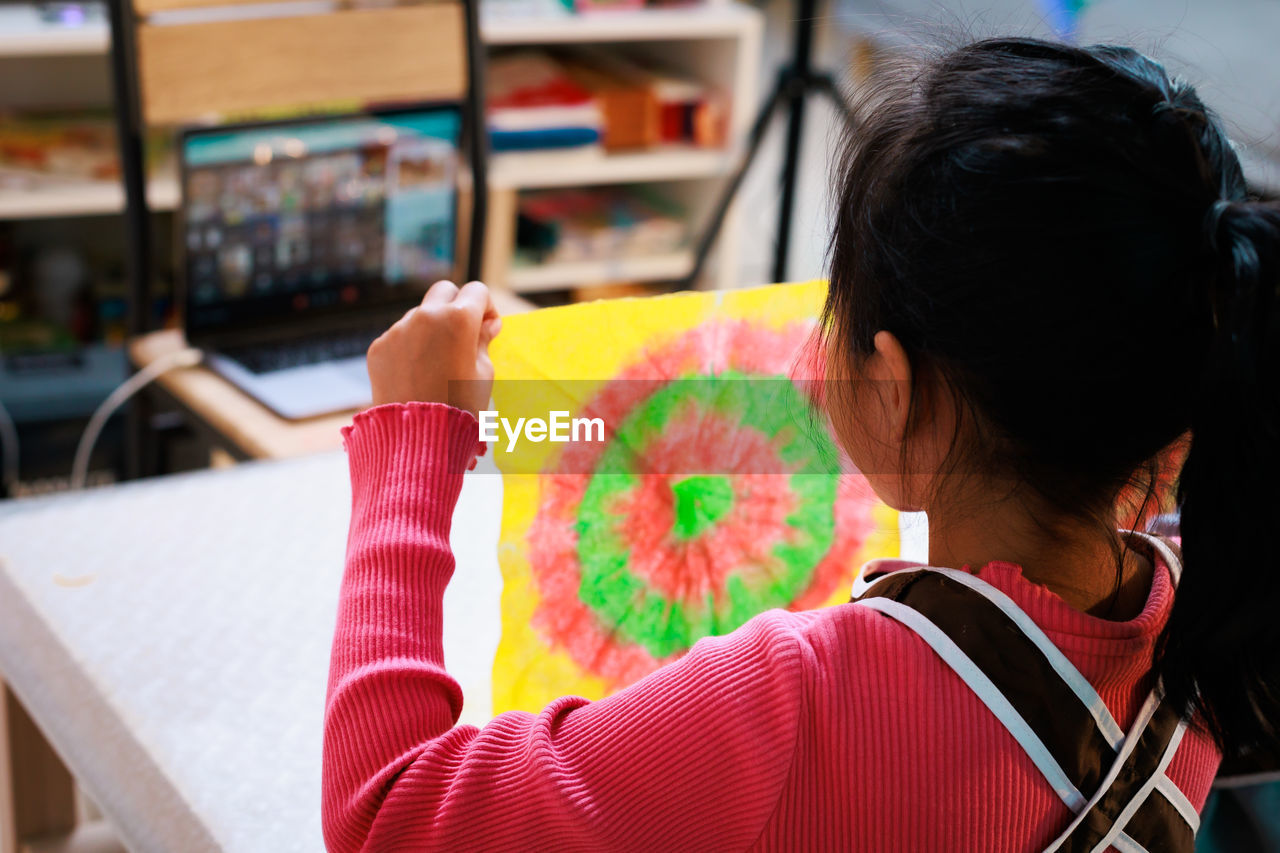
[834, 729]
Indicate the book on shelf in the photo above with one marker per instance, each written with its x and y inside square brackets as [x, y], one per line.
[690, 113]
[534, 103]
[51, 150]
[592, 96]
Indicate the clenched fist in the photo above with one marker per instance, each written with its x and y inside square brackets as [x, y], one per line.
[438, 352]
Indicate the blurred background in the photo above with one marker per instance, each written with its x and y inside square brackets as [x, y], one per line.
[593, 216]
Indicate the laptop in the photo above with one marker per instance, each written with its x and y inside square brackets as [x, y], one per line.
[302, 241]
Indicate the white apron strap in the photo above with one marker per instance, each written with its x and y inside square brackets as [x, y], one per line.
[1046, 727]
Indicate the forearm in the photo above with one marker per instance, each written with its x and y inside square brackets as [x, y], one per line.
[389, 693]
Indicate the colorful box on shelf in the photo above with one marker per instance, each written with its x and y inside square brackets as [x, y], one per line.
[689, 112]
[625, 95]
[577, 225]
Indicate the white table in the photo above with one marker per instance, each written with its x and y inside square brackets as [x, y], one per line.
[171, 637]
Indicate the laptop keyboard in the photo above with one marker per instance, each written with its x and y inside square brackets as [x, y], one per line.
[298, 352]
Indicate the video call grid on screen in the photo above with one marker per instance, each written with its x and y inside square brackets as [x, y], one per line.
[317, 214]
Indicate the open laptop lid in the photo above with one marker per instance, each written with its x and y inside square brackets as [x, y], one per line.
[317, 222]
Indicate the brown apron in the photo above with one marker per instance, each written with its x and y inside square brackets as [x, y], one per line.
[1113, 781]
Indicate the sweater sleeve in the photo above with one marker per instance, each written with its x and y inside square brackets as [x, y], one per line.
[693, 757]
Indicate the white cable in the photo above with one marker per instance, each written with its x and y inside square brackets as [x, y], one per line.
[117, 398]
[9, 443]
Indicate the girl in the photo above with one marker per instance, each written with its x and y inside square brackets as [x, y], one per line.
[1045, 271]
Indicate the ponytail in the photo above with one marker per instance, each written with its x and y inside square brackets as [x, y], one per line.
[1220, 651]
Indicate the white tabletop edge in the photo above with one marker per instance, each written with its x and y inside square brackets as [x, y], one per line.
[39, 690]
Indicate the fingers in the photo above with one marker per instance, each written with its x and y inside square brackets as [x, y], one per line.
[475, 294]
[477, 302]
[472, 301]
[440, 293]
[489, 330]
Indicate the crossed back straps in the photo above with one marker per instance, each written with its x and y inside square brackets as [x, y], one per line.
[1113, 781]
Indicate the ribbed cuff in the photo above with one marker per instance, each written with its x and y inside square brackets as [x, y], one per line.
[411, 448]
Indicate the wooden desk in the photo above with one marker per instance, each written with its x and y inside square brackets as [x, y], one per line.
[232, 419]
[237, 422]
[170, 638]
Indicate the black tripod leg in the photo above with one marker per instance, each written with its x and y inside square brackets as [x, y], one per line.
[786, 204]
[826, 84]
[801, 73]
[712, 230]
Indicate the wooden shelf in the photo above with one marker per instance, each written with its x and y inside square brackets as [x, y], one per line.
[81, 198]
[718, 20]
[525, 170]
[530, 278]
[585, 166]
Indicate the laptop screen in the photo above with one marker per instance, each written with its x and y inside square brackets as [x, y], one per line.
[317, 216]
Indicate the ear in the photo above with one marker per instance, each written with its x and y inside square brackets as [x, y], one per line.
[891, 366]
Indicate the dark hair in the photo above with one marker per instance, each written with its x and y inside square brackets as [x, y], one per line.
[1066, 236]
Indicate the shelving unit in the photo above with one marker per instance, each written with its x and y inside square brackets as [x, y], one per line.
[533, 170]
[510, 173]
[538, 169]
[718, 44]
[81, 198]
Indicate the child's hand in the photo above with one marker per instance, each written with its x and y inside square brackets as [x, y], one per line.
[439, 351]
